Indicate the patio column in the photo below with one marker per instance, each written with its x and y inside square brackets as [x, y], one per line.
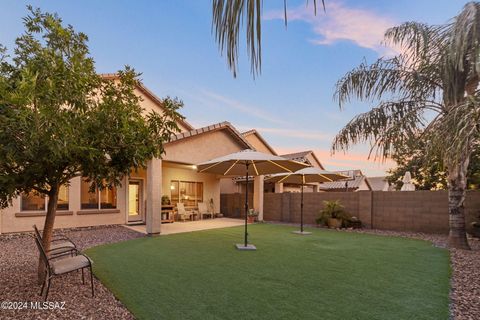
[316, 188]
[278, 187]
[258, 196]
[154, 196]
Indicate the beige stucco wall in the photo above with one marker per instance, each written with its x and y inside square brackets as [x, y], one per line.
[201, 147]
[257, 143]
[149, 105]
[211, 185]
[11, 223]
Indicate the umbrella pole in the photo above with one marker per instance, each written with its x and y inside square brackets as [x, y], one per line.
[246, 207]
[301, 212]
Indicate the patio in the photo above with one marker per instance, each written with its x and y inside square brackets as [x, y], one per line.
[189, 226]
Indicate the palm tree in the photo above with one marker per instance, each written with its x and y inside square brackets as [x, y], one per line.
[429, 92]
[229, 17]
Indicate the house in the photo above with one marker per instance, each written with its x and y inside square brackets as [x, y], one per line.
[357, 182]
[138, 199]
[379, 183]
[309, 158]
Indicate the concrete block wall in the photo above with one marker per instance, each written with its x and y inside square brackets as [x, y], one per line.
[419, 211]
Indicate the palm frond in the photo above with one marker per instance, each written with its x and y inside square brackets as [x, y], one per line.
[386, 76]
[228, 19]
[387, 126]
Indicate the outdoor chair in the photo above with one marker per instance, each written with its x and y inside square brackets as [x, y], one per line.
[183, 214]
[60, 244]
[203, 210]
[55, 266]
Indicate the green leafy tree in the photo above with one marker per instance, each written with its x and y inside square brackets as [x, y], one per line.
[60, 120]
[429, 92]
[229, 17]
[428, 173]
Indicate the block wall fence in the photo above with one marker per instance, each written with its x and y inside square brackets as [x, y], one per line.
[418, 211]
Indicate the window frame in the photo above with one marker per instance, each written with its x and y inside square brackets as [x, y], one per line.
[195, 188]
[99, 197]
[46, 202]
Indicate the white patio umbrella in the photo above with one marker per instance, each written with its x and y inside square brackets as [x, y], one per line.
[407, 182]
[249, 163]
[302, 177]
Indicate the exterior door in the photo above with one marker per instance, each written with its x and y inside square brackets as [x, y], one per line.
[135, 201]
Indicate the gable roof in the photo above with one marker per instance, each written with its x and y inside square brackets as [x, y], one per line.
[378, 183]
[302, 157]
[148, 93]
[211, 128]
[259, 136]
[352, 184]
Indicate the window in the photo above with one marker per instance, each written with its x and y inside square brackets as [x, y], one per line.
[99, 199]
[188, 192]
[34, 201]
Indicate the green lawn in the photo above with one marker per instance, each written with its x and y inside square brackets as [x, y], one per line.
[327, 275]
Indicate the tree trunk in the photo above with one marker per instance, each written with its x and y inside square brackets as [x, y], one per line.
[48, 227]
[457, 183]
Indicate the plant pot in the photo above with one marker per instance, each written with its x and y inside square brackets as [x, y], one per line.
[251, 219]
[334, 223]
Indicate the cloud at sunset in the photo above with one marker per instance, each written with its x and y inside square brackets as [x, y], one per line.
[363, 27]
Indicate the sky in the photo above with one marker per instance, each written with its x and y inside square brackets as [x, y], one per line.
[291, 103]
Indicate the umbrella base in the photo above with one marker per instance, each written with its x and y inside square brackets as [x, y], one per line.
[249, 247]
[304, 233]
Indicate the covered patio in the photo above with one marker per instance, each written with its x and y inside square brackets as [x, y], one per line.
[190, 226]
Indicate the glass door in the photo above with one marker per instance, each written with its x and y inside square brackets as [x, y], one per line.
[135, 201]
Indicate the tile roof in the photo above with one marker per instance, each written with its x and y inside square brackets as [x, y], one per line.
[214, 127]
[378, 183]
[340, 185]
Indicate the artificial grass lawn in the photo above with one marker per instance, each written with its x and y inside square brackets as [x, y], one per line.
[326, 275]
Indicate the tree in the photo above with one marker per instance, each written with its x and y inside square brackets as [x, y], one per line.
[428, 173]
[228, 19]
[60, 120]
[429, 93]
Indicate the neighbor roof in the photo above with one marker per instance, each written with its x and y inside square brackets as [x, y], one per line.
[148, 93]
[378, 183]
[302, 157]
[211, 128]
[352, 184]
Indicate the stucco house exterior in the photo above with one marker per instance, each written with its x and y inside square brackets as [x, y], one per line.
[138, 199]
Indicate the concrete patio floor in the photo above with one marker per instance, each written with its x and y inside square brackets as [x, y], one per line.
[189, 226]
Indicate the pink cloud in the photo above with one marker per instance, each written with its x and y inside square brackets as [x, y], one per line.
[363, 27]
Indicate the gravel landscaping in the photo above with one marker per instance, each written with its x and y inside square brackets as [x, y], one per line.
[18, 265]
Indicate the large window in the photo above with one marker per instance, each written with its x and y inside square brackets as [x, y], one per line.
[98, 199]
[34, 201]
[187, 192]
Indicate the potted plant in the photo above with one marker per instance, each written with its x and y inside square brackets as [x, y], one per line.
[333, 213]
[252, 215]
[165, 200]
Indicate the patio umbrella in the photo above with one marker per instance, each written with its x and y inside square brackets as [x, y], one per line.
[249, 163]
[302, 177]
[407, 182]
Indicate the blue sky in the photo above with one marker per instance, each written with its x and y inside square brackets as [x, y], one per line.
[290, 104]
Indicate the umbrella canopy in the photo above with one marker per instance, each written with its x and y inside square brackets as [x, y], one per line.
[303, 176]
[249, 163]
[258, 163]
[307, 175]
